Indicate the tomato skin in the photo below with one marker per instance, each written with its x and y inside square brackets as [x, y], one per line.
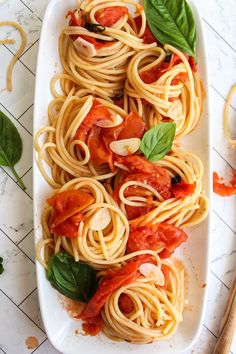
[97, 112]
[152, 75]
[112, 281]
[66, 216]
[93, 326]
[192, 64]
[125, 304]
[99, 154]
[110, 15]
[159, 181]
[181, 190]
[154, 236]
[221, 188]
[148, 37]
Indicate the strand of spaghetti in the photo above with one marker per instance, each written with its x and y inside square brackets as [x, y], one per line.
[18, 53]
[226, 116]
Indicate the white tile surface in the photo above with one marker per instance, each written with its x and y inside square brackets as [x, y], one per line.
[17, 11]
[31, 307]
[220, 29]
[15, 328]
[15, 209]
[27, 246]
[22, 95]
[18, 279]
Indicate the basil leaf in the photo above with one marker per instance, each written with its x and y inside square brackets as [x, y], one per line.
[157, 141]
[10, 146]
[172, 22]
[1, 266]
[75, 280]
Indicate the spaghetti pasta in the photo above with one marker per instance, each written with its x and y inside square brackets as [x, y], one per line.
[122, 191]
[186, 211]
[19, 51]
[156, 312]
[174, 94]
[226, 116]
[96, 247]
[102, 71]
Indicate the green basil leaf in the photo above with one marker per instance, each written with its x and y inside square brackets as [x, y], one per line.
[1, 269]
[157, 141]
[75, 280]
[172, 22]
[10, 146]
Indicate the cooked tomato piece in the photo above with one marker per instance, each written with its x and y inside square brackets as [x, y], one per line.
[154, 236]
[138, 164]
[93, 326]
[166, 271]
[132, 127]
[112, 281]
[159, 180]
[223, 189]
[181, 77]
[110, 15]
[136, 212]
[148, 37]
[120, 102]
[66, 216]
[97, 112]
[181, 190]
[69, 227]
[156, 72]
[125, 304]
[99, 154]
[192, 64]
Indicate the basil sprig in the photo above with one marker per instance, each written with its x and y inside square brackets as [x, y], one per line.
[172, 22]
[75, 280]
[157, 141]
[10, 146]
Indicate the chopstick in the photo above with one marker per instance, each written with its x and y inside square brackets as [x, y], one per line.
[228, 324]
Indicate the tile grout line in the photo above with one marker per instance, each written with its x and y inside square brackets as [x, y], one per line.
[25, 111]
[24, 191]
[22, 311]
[19, 60]
[3, 350]
[31, 46]
[221, 96]
[31, 10]
[234, 232]
[27, 172]
[34, 351]
[218, 34]
[24, 237]
[209, 330]
[220, 279]
[27, 297]
[17, 246]
[213, 148]
[17, 118]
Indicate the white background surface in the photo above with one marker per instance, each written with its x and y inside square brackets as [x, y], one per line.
[19, 313]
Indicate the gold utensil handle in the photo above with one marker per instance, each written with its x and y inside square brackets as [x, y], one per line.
[228, 325]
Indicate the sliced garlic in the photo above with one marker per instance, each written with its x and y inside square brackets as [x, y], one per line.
[153, 273]
[115, 120]
[100, 220]
[125, 147]
[84, 47]
[175, 112]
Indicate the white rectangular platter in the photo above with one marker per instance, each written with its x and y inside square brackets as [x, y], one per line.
[59, 326]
